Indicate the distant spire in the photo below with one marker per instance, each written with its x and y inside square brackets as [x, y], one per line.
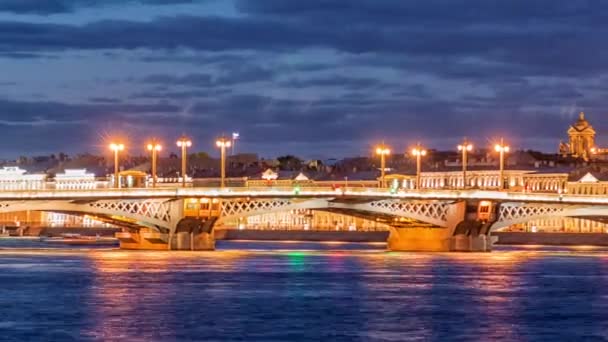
[581, 116]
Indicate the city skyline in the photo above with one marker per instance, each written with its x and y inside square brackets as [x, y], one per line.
[78, 74]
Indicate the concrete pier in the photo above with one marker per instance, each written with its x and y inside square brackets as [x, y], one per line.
[144, 239]
[419, 239]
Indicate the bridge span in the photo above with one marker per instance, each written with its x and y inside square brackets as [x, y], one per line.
[173, 218]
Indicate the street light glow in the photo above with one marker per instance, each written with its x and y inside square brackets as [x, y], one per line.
[223, 143]
[155, 147]
[466, 147]
[383, 150]
[184, 142]
[418, 152]
[502, 148]
[117, 147]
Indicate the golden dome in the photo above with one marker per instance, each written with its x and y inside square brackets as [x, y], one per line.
[581, 123]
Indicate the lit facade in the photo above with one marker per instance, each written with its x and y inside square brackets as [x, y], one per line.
[588, 185]
[560, 225]
[15, 178]
[76, 179]
[515, 180]
[305, 219]
[581, 139]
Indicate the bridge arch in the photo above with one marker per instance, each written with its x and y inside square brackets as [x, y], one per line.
[515, 213]
[433, 212]
[160, 214]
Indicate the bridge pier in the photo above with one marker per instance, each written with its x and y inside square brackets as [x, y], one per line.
[419, 239]
[463, 233]
[192, 234]
[468, 243]
[144, 239]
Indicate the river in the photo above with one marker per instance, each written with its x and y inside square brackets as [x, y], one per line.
[275, 291]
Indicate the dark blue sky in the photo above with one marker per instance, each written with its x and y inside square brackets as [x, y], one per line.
[315, 77]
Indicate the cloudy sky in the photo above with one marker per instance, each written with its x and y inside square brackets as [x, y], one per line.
[315, 77]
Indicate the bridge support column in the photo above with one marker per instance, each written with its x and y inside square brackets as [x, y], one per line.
[203, 242]
[144, 239]
[470, 243]
[192, 234]
[419, 239]
[425, 239]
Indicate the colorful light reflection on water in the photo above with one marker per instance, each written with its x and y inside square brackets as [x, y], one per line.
[292, 292]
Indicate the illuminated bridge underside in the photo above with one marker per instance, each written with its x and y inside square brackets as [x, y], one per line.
[156, 213]
[390, 220]
[430, 212]
[510, 214]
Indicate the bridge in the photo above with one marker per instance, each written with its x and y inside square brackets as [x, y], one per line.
[184, 218]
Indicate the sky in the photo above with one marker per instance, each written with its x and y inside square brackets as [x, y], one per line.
[316, 78]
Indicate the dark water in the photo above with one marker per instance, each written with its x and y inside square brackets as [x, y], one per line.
[337, 292]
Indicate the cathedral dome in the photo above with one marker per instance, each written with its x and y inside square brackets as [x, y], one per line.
[581, 124]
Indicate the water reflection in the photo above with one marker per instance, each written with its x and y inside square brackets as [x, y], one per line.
[295, 293]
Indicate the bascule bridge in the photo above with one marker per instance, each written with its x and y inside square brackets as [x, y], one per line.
[418, 220]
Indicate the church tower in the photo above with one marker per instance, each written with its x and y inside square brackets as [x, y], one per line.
[582, 138]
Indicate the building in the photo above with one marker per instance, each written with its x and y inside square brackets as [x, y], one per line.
[581, 140]
[514, 180]
[77, 179]
[15, 178]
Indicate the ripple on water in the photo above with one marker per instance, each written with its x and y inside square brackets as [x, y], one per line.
[290, 294]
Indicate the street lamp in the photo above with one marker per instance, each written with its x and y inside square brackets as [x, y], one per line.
[465, 147]
[419, 152]
[382, 151]
[184, 143]
[502, 149]
[154, 147]
[223, 143]
[116, 148]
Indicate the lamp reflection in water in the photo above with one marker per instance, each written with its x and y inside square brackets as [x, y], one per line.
[128, 284]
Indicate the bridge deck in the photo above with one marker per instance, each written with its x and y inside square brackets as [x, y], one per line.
[355, 193]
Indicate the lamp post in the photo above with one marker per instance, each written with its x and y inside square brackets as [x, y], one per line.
[382, 151]
[223, 143]
[465, 147]
[419, 152]
[116, 148]
[154, 147]
[502, 149]
[184, 143]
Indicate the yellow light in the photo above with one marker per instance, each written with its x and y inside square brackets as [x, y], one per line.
[223, 143]
[467, 147]
[117, 147]
[501, 148]
[184, 143]
[156, 147]
[418, 152]
[382, 150]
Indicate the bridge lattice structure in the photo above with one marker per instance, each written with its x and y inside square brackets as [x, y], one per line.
[162, 209]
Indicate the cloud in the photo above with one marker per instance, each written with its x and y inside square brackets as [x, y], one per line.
[48, 7]
[310, 72]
